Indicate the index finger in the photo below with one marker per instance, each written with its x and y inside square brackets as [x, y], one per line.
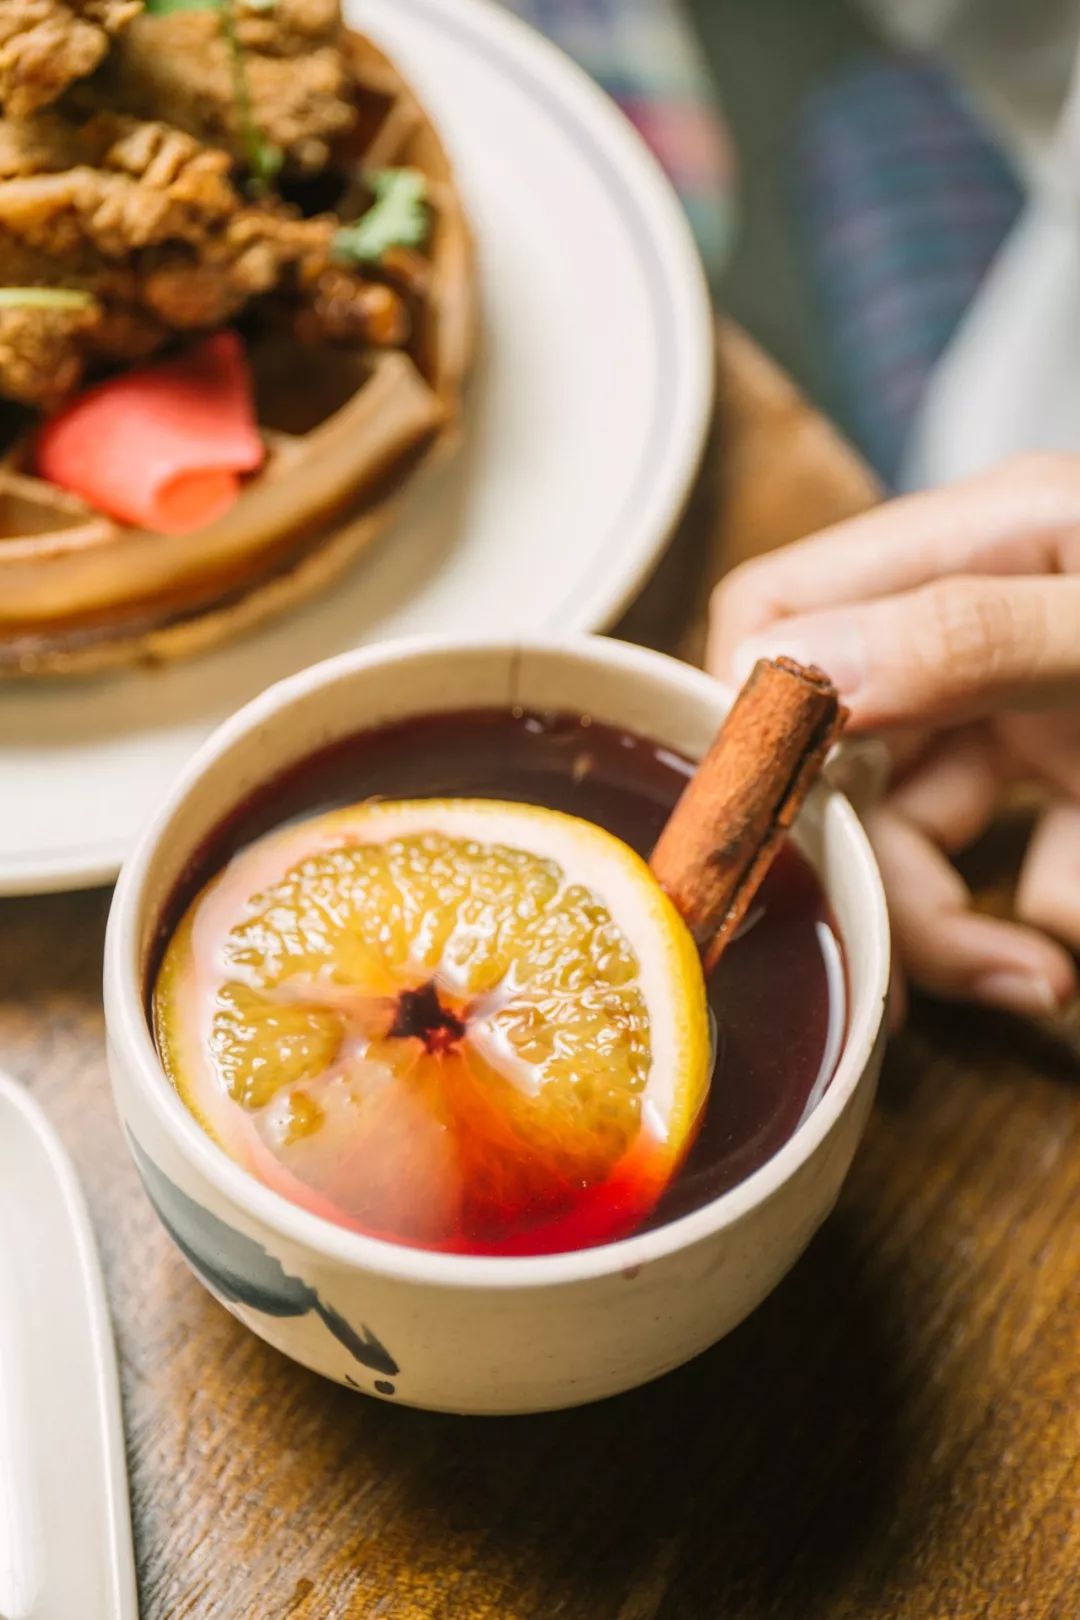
[1023, 518]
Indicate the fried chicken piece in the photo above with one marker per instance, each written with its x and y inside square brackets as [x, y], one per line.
[110, 184]
[42, 349]
[147, 220]
[139, 215]
[179, 67]
[342, 307]
[46, 45]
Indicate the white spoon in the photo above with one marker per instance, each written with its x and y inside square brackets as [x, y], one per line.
[65, 1527]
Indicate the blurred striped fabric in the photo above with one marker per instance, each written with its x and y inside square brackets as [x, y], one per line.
[902, 197]
[904, 200]
[646, 55]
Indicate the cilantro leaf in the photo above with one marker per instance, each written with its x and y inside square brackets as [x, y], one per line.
[265, 160]
[45, 298]
[397, 218]
[164, 8]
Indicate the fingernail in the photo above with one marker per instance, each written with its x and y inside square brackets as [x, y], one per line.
[1027, 993]
[832, 641]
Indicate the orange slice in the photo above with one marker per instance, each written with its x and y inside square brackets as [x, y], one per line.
[459, 1024]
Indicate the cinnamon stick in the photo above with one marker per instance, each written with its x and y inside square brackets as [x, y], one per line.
[728, 825]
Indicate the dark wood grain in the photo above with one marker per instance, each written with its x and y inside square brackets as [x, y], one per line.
[894, 1435]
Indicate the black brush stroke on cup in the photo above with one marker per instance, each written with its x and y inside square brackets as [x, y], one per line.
[242, 1272]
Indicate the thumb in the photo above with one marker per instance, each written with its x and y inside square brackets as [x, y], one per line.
[954, 650]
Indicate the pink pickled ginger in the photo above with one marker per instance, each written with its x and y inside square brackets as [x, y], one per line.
[163, 446]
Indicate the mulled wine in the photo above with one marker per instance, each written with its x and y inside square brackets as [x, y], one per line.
[777, 1005]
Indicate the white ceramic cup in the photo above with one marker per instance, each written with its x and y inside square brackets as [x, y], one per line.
[468, 1333]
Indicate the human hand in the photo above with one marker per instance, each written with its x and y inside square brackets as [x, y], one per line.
[950, 621]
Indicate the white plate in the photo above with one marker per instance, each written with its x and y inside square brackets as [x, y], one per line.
[586, 424]
[65, 1528]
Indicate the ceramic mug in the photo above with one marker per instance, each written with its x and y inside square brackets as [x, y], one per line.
[466, 1333]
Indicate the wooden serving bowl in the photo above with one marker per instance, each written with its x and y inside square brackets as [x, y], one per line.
[344, 430]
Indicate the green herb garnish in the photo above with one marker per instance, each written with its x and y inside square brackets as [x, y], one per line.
[398, 217]
[263, 158]
[45, 298]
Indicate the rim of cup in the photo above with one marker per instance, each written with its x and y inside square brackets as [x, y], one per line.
[129, 1031]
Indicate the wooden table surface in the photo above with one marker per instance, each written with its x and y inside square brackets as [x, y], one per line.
[895, 1433]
